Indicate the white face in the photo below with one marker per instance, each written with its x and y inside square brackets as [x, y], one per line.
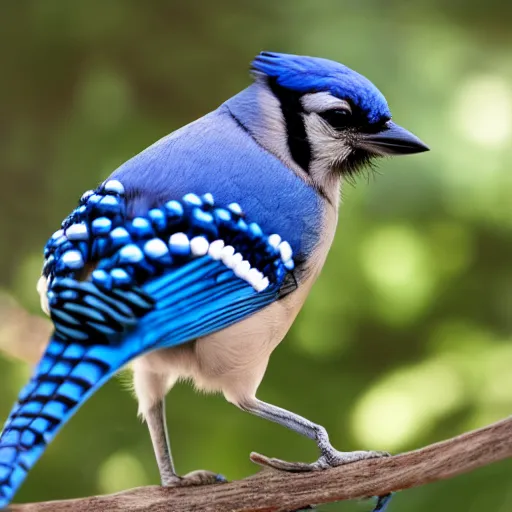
[343, 140]
[330, 146]
[320, 137]
[327, 146]
[319, 102]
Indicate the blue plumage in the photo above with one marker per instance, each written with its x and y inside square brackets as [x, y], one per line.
[162, 254]
[227, 163]
[173, 278]
[313, 74]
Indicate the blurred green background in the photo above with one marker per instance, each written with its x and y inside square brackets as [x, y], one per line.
[406, 338]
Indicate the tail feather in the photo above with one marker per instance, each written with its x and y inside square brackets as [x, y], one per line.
[66, 376]
[70, 371]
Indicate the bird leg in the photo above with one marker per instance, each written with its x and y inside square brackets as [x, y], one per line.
[329, 456]
[155, 418]
[157, 425]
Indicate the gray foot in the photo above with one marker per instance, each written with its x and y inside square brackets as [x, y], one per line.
[335, 458]
[330, 459]
[199, 477]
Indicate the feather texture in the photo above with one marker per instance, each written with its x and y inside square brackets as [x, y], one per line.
[312, 74]
[227, 162]
[159, 281]
[136, 269]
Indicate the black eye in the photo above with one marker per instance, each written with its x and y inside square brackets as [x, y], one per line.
[338, 118]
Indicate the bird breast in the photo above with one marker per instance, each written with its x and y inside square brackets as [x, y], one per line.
[234, 359]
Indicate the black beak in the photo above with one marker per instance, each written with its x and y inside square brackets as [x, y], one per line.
[393, 140]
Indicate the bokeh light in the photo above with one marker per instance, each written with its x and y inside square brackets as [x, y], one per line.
[406, 404]
[122, 470]
[396, 263]
[483, 111]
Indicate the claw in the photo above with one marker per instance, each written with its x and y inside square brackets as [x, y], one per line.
[281, 465]
[336, 458]
[195, 478]
[324, 462]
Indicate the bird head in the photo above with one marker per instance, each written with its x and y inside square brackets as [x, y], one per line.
[324, 117]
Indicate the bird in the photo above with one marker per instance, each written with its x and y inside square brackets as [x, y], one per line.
[193, 258]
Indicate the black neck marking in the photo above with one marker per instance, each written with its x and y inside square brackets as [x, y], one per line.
[291, 107]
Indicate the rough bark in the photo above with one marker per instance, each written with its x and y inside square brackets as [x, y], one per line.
[271, 490]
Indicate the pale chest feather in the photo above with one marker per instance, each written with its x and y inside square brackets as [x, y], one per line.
[234, 360]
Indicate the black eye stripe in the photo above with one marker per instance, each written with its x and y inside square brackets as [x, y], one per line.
[292, 110]
[341, 119]
[338, 118]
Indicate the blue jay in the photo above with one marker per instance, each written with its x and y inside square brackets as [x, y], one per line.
[192, 260]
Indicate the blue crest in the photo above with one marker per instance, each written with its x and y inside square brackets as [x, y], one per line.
[312, 74]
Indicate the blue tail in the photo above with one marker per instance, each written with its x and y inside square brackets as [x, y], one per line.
[70, 372]
[144, 293]
[64, 379]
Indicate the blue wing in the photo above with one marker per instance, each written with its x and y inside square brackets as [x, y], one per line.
[183, 271]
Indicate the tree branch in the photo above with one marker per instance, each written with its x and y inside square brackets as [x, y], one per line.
[271, 490]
